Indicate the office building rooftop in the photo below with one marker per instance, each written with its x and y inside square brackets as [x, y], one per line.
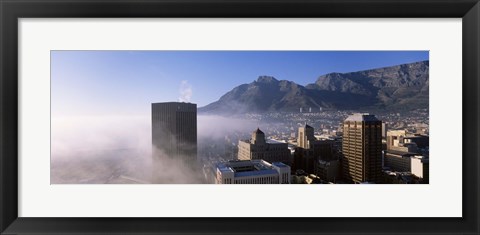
[361, 117]
[243, 168]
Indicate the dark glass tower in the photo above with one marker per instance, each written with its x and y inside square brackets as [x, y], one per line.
[174, 132]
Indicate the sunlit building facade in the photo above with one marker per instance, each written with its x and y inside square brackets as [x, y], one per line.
[258, 148]
[362, 148]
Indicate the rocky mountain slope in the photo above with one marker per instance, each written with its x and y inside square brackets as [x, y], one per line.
[401, 87]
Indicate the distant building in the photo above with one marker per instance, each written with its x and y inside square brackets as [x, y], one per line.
[258, 148]
[174, 132]
[362, 148]
[252, 172]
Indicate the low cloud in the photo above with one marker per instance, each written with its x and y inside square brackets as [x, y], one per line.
[99, 150]
[112, 149]
[214, 126]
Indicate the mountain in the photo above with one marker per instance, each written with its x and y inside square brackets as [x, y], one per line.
[397, 87]
[401, 87]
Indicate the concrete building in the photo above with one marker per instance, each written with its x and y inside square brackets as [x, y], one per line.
[405, 147]
[395, 137]
[384, 130]
[362, 148]
[304, 157]
[422, 141]
[252, 172]
[398, 160]
[306, 136]
[258, 148]
[310, 150]
[174, 132]
[398, 140]
[420, 168]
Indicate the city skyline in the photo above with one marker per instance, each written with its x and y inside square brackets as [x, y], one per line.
[138, 117]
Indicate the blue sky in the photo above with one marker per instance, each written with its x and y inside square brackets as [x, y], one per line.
[92, 83]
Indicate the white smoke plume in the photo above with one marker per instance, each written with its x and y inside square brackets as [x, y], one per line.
[185, 91]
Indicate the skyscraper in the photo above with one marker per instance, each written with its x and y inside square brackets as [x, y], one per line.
[306, 136]
[310, 150]
[174, 132]
[362, 148]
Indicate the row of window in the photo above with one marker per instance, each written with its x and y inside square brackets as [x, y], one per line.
[285, 178]
[263, 180]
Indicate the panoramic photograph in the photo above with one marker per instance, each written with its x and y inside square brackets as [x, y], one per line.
[239, 117]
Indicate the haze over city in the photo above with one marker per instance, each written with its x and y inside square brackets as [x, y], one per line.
[101, 106]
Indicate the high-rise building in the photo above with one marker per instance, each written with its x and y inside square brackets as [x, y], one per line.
[306, 136]
[310, 150]
[174, 132]
[362, 148]
[258, 148]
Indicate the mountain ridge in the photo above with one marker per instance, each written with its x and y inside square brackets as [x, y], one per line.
[403, 87]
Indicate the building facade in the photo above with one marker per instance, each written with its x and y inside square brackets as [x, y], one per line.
[398, 160]
[252, 172]
[258, 148]
[362, 148]
[398, 140]
[420, 168]
[310, 150]
[174, 132]
[328, 170]
[395, 137]
[306, 136]
[422, 141]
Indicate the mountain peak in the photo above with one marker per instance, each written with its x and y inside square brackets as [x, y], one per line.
[266, 79]
[401, 87]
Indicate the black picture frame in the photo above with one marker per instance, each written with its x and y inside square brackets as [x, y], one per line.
[12, 10]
